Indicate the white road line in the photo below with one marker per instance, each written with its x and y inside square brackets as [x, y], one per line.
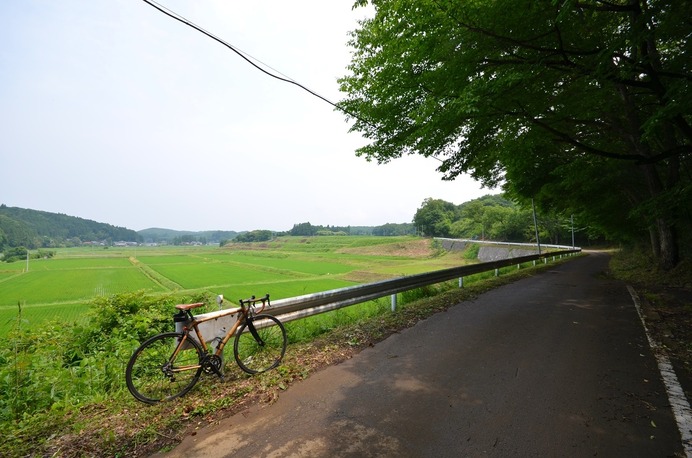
[676, 396]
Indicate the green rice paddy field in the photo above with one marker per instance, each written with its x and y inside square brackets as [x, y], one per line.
[61, 288]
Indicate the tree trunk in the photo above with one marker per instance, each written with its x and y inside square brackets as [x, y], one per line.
[665, 232]
[669, 248]
[655, 244]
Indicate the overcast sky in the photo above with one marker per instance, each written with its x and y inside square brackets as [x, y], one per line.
[112, 111]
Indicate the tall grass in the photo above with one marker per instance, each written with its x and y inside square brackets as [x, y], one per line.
[60, 365]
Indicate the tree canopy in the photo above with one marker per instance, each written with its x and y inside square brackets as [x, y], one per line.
[494, 217]
[582, 105]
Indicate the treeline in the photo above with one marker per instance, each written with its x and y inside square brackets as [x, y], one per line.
[491, 217]
[310, 230]
[389, 229]
[494, 217]
[252, 236]
[173, 237]
[34, 229]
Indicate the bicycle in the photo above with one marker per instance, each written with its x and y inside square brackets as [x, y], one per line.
[168, 365]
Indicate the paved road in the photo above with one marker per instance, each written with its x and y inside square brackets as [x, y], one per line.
[554, 365]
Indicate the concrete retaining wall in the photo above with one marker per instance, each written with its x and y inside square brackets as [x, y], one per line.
[452, 245]
[488, 253]
[496, 253]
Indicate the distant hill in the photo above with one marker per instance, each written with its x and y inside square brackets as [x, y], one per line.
[170, 236]
[33, 229]
[39, 229]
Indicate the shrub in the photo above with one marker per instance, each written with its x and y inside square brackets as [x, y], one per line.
[59, 365]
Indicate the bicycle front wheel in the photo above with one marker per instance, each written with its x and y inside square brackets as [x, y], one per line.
[164, 367]
[260, 344]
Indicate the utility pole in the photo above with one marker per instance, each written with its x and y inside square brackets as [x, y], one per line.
[535, 226]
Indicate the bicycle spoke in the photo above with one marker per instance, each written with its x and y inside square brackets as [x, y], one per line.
[263, 349]
[159, 370]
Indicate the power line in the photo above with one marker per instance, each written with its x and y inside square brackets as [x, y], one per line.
[242, 54]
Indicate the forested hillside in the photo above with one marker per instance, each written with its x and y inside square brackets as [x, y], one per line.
[389, 229]
[22, 227]
[494, 217]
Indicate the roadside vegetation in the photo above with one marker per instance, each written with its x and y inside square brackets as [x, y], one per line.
[666, 298]
[63, 385]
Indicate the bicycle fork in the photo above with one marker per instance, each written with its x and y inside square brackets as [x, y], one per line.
[254, 333]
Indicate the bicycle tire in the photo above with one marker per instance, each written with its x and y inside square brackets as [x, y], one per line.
[154, 375]
[255, 356]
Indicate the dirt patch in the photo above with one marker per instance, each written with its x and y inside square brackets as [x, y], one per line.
[244, 246]
[421, 248]
[360, 276]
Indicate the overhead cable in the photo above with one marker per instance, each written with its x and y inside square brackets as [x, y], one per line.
[242, 54]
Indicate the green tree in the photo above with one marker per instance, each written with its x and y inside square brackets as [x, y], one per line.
[16, 233]
[582, 104]
[304, 229]
[15, 254]
[254, 236]
[391, 229]
[434, 218]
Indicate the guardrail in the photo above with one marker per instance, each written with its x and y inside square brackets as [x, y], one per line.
[312, 304]
[519, 244]
[294, 308]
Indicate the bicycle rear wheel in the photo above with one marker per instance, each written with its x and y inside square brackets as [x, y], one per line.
[263, 349]
[164, 367]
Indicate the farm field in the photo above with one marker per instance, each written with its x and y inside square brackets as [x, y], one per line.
[63, 287]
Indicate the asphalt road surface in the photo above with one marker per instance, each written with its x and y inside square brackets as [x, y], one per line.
[553, 365]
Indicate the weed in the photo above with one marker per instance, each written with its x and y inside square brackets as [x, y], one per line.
[471, 251]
